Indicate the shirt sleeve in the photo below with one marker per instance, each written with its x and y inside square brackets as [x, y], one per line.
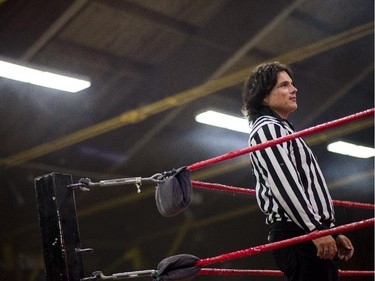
[282, 177]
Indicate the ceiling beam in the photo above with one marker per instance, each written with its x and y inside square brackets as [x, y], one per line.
[330, 101]
[162, 19]
[54, 29]
[245, 49]
[241, 52]
[142, 113]
[124, 64]
[169, 23]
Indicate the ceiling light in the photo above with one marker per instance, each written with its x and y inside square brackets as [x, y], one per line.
[41, 77]
[222, 120]
[350, 149]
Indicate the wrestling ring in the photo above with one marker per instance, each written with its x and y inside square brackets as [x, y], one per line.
[60, 234]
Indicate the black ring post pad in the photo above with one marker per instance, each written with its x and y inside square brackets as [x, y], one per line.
[174, 192]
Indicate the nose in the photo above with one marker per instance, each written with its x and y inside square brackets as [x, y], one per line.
[293, 89]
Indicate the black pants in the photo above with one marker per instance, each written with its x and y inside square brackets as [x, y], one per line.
[299, 262]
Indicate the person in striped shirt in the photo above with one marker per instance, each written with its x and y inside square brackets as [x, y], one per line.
[290, 187]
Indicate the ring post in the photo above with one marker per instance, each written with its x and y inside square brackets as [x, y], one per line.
[59, 227]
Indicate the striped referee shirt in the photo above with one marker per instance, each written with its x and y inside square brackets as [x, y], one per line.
[289, 183]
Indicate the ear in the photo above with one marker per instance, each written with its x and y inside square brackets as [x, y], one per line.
[265, 100]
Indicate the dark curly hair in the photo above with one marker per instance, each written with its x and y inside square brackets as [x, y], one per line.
[258, 85]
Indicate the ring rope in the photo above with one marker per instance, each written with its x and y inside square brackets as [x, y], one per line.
[287, 242]
[353, 204]
[222, 187]
[275, 245]
[270, 272]
[305, 132]
[219, 271]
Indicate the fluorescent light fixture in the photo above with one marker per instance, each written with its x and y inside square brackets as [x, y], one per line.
[42, 78]
[350, 149]
[222, 120]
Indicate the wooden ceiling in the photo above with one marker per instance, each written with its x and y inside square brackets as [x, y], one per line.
[153, 66]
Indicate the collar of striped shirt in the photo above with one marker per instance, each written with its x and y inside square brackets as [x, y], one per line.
[265, 110]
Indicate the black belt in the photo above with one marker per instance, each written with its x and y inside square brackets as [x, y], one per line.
[291, 226]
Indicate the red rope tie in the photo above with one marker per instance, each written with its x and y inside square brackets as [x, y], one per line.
[287, 242]
[219, 271]
[221, 187]
[303, 133]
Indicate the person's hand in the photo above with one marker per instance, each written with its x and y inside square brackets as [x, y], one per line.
[326, 246]
[344, 247]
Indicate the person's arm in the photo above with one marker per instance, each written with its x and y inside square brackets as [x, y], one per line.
[326, 247]
[345, 248]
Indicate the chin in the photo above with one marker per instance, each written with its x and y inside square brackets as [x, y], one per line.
[294, 108]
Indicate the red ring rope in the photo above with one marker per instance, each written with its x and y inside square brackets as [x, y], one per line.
[221, 187]
[302, 133]
[353, 204]
[275, 245]
[219, 271]
[295, 240]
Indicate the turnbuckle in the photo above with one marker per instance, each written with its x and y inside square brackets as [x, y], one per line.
[98, 275]
[84, 184]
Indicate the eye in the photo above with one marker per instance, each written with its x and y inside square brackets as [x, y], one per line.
[284, 85]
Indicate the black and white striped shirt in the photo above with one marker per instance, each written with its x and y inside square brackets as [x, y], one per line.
[289, 183]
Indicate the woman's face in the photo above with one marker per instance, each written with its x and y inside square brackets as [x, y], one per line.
[282, 98]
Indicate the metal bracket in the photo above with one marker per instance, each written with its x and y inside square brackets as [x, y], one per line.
[117, 276]
[85, 183]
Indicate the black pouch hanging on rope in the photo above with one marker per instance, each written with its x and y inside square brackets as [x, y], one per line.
[173, 192]
[177, 268]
